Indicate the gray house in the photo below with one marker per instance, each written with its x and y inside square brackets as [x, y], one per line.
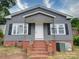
[39, 24]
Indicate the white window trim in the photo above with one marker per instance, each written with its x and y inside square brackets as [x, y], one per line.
[16, 24]
[27, 28]
[64, 29]
[57, 26]
[13, 28]
[51, 25]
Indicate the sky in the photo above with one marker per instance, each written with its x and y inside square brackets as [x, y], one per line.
[70, 7]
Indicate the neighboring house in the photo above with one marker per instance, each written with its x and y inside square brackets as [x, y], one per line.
[39, 24]
[75, 31]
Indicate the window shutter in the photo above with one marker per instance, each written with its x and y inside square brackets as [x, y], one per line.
[10, 29]
[29, 28]
[48, 28]
[66, 27]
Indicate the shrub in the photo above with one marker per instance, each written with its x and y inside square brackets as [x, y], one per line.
[76, 40]
[1, 41]
[1, 34]
[1, 37]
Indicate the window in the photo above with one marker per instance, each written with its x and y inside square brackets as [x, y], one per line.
[14, 28]
[57, 29]
[25, 28]
[53, 29]
[61, 28]
[63, 46]
[19, 29]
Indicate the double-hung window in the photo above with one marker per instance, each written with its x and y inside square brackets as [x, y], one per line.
[19, 29]
[57, 29]
[53, 29]
[61, 29]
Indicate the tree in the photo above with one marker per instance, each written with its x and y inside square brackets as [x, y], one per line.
[4, 6]
[75, 23]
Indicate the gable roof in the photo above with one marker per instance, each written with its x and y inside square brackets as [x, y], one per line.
[42, 7]
[39, 12]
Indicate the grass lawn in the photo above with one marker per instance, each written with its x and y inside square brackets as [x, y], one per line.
[67, 55]
[12, 53]
[18, 53]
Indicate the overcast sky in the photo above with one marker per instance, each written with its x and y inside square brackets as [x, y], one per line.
[66, 6]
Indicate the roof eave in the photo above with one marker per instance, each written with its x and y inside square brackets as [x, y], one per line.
[52, 10]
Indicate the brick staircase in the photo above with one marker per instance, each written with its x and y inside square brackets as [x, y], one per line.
[39, 50]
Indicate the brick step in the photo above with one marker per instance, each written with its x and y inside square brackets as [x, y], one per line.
[39, 46]
[40, 43]
[39, 49]
[39, 52]
[40, 56]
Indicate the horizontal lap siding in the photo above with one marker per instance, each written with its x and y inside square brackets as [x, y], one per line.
[19, 19]
[58, 37]
[20, 37]
[47, 36]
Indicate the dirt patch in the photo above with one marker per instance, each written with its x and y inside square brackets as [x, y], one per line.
[12, 53]
[15, 56]
[66, 55]
[18, 53]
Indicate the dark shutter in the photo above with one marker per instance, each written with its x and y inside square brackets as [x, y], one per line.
[10, 29]
[29, 28]
[66, 27]
[48, 28]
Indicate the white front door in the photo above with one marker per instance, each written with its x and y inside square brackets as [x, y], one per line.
[39, 34]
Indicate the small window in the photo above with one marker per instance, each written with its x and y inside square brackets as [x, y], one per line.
[60, 46]
[63, 46]
[19, 29]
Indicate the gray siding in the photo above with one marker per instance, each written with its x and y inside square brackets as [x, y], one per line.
[31, 19]
[58, 37]
[19, 37]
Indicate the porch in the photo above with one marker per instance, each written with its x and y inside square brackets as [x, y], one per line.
[41, 22]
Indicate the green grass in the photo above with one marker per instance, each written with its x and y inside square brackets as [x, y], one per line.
[10, 50]
[67, 55]
[59, 55]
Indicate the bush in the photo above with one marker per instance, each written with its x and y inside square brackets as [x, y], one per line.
[1, 41]
[1, 37]
[76, 40]
[1, 34]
